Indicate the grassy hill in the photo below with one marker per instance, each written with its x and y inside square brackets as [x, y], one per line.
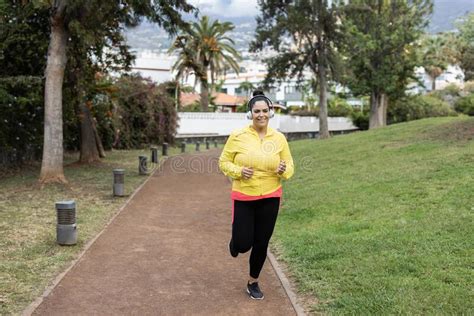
[381, 222]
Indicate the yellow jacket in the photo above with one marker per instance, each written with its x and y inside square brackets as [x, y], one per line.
[245, 149]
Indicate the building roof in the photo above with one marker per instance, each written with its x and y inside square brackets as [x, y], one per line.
[221, 99]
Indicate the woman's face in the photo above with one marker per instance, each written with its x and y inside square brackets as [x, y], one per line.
[260, 114]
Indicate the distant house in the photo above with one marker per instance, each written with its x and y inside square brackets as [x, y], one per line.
[223, 101]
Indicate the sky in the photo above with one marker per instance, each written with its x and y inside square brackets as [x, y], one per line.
[230, 8]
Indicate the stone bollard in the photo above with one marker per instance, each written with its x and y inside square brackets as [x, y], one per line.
[165, 149]
[119, 180]
[154, 155]
[183, 147]
[142, 165]
[197, 145]
[66, 229]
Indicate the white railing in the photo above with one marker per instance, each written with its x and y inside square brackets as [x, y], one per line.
[222, 124]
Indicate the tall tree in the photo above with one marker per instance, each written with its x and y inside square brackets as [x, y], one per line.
[90, 17]
[306, 34]
[466, 46]
[380, 48]
[204, 48]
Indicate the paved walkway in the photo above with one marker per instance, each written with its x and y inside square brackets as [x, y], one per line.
[166, 254]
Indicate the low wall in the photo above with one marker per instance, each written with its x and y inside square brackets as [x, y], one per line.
[203, 124]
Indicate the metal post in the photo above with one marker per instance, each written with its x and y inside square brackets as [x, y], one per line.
[207, 144]
[119, 180]
[142, 165]
[165, 149]
[183, 147]
[66, 229]
[197, 145]
[154, 154]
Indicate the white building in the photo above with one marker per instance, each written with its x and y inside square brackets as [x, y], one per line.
[287, 92]
[452, 75]
[155, 66]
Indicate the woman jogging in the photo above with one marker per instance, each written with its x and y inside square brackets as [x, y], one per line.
[257, 158]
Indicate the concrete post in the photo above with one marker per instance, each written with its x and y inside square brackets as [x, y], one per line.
[66, 229]
[142, 165]
[119, 180]
[154, 154]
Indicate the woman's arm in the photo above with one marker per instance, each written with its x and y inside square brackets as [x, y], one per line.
[226, 160]
[285, 155]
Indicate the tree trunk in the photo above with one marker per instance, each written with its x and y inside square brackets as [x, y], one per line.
[204, 95]
[433, 83]
[98, 141]
[384, 110]
[378, 110]
[89, 148]
[323, 104]
[52, 161]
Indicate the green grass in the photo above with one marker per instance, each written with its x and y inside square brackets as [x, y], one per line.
[29, 256]
[381, 222]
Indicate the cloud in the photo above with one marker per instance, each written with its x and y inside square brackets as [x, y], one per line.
[227, 8]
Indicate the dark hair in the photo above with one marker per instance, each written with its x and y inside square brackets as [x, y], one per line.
[257, 92]
[258, 95]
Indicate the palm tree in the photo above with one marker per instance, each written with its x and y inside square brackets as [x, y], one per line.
[438, 52]
[247, 86]
[204, 49]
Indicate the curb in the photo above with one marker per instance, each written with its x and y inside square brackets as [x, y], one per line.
[286, 284]
[37, 302]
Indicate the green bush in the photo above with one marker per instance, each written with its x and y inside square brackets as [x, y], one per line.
[451, 89]
[417, 107]
[465, 105]
[339, 107]
[360, 118]
[449, 94]
[21, 114]
[469, 87]
[146, 113]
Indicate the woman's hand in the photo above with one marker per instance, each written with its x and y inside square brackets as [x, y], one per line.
[247, 173]
[281, 167]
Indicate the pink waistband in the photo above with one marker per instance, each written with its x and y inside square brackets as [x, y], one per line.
[244, 197]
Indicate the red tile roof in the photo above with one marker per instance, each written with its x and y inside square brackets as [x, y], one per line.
[221, 99]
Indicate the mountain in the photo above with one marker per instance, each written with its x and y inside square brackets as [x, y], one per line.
[446, 12]
[148, 36]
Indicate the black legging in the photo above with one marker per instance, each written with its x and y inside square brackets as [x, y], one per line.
[252, 227]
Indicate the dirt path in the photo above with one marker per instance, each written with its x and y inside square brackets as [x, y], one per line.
[166, 254]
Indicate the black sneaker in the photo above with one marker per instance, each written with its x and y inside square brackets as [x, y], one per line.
[233, 253]
[254, 291]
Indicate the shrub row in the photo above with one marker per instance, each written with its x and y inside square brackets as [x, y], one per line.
[130, 113]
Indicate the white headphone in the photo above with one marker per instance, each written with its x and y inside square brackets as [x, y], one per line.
[262, 97]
